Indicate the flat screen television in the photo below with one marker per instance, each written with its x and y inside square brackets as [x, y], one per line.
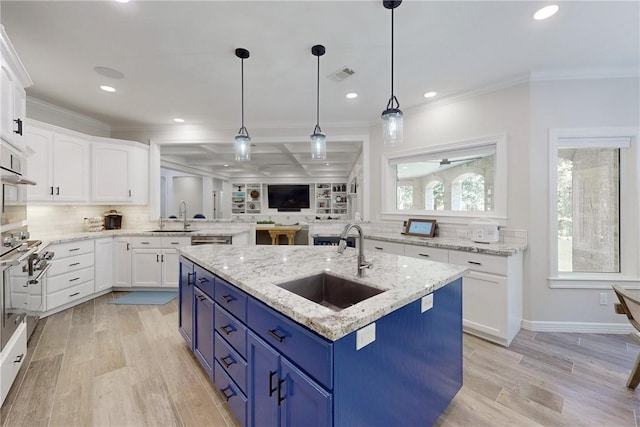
[288, 197]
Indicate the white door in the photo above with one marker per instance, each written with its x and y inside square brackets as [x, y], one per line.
[103, 264]
[70, 169]
[170, 268]
[121, 262]
[146, 268]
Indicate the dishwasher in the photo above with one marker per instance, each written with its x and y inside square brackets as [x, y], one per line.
[210, 240]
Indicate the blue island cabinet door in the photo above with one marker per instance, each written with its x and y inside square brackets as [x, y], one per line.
[263, 383]
[203, 337]
[305, 402]
[185, 317]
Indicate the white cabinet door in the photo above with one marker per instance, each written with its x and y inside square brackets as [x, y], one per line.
[484, 304]
[111, 170]
[103, 264]
[122, 262]
[140, 176]
[170, 268]
[7, 105]
[146, 268]
[13, 356]
[70, 169]
[39, 163]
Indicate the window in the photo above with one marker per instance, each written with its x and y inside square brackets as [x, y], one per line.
[588, 212]
[465, 179]
[594, 207]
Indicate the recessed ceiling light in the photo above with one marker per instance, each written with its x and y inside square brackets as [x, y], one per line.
[108, 72]
[327, 164]
[122, 1]
[226, 166]
[107, 88]
[430, 94]
[546, 12]
[352, 95]
[178, 120]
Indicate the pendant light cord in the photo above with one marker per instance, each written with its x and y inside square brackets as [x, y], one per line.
[393, 101]
[242, 89]
[318, 98]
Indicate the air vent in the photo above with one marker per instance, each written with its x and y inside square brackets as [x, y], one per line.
[341, 74]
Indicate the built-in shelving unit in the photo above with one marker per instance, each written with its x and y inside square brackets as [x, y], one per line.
[331, 198]
[238, 198]
[253, 198]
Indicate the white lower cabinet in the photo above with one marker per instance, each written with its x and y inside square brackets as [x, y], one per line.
[103, 264]
[122, 262]
[11, 359]
[71, 276]
[155, 261]
[491, 291]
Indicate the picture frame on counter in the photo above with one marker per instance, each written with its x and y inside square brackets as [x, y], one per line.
[421, 227]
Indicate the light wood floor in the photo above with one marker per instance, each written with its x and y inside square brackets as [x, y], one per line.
[118, 365]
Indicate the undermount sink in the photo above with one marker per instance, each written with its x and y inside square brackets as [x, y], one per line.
[330, 291]
[170, 231]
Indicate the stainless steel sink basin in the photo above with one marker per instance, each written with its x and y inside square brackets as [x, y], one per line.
[170, 231]
[330, 291]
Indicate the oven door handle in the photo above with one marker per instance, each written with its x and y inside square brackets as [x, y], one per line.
[39, 276]
[17, 180]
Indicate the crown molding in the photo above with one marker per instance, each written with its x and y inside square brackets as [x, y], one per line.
[586, 74]
[68, 114]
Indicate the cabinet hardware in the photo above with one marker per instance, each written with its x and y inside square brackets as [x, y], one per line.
[424, 255]
[74, 249]
[189, 283]
[174, 243]
[73, 295]
[228, 298]
[19, 123]
[157, 258]
[201, 298]
[474, 262]
[128, 246]
[271, 389]
[162, 258]
[378, 248]
[274, 334]
[227, 329]
[203, 280]
[227, 364]
[19, 358]
[74, 263]
[144, 243]
[57, 191]
[129, 193]
[74, 279]
[227, 396]
[52, 191]
[280, 397]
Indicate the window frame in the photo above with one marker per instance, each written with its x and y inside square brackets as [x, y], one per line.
[391, 159]
[625, 138]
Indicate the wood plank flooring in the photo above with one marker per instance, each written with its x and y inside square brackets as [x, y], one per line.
[100, 364]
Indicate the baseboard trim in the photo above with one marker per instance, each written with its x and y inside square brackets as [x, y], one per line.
[578, 327]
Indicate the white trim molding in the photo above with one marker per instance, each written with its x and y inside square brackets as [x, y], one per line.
[577, 327]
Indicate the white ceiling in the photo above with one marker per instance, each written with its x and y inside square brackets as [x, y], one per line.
[178, 56]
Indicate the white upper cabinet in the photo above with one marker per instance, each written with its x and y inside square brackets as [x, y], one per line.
[119, 172]
[59, 163]
[13, 80]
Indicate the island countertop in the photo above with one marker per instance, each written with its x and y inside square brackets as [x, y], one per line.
[258, 269]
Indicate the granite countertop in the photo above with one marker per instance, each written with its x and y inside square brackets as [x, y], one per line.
[257, 269]
[458, 244]
[54, 238]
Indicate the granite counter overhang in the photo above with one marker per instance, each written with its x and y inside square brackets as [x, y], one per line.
[458, 244]
[258, 269]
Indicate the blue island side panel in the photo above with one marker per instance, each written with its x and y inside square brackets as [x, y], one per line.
[410, 373]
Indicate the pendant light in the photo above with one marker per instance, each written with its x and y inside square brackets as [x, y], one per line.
[242, 144]
[392, 116]
[318, 139]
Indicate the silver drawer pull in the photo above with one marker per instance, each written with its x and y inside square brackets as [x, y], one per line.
[474, 262]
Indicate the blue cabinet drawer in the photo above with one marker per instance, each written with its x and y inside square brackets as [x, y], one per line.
[204, 280]
[230, 392]
[231, 298]
[306, 349]
[231, 362]
[234, 332]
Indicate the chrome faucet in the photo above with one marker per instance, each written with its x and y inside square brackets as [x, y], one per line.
[182, 210]
[362, 263]
[161, 223]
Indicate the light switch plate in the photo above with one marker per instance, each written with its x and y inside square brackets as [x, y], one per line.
[426, 303]
[365, 336]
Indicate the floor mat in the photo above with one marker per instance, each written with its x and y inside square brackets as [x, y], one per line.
[146, 298]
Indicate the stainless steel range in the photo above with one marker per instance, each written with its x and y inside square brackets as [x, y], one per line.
[21, 263]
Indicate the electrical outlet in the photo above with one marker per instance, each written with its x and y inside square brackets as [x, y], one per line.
[603, 298]
[463, 233]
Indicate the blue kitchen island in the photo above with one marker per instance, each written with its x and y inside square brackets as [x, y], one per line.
[278, 358]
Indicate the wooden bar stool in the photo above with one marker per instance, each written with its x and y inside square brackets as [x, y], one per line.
[630, 306]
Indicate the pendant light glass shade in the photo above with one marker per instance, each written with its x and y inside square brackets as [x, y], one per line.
[242, 144]
[318, 139]
[392, 116]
